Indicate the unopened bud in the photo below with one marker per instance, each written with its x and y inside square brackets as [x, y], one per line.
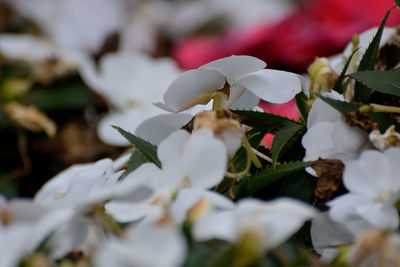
[322, 76]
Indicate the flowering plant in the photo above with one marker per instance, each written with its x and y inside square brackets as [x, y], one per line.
[198, 188]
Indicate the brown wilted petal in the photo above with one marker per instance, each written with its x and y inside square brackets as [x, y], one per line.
[362, 120]
[329, 173]
[30, 118]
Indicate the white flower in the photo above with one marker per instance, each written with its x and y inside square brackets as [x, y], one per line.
[329, 136]
[190, 15]
[337, 62]
[19, 235]
[196, 160]
[130, 82]
[192, 204]
[269, 223]
[25, 47]
[247, 82]
[157, 128]
[12, 244]
[373, 182]
[144, 246]
[327, 235]
[78, 184]
[75, 24]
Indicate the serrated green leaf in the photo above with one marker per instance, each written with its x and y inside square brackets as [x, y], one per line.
[135, 161]
[387, 82]
[147, 150]
[339, 86]
[301, 102]
[267, 176]
[362, 92]
[261, 121]
[299, 186]
[282, 137]
[341, 106]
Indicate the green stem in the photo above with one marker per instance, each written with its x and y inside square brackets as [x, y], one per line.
[250, 152]
[382, 108]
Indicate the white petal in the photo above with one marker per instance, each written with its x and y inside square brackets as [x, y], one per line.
[342, 208]
[156, 129]
[128, 120]
[234, 67]
[393, 155]
[192, 87]
[365, 39]
[25, 47]
[172, 148]
[232, 139]
[370, 175]
[322, 111]
[205, 159]
[188, 197]
[219, 225]
[58, 185]
[326, 233]
[348, 139]
[13, 244]
[125, 212]
[318, 142]
[147, 246]
[276, 220]
[247, 100]
[272, 85]
[379, 215]
[169, 245]
[91, 77]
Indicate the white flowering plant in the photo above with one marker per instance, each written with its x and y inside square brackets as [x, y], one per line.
[199, 187]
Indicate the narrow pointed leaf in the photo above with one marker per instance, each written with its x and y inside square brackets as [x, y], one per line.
[261, 120]
[147, 150]
[340, 106]
[135, 161]
[362, 92]
[265, 177]
[387, 82]
[339, 86]
[282, 138]
[302, 106]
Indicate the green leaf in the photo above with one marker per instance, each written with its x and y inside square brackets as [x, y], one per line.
[362, 92]
[147, 150]
[341, 106]
[299, 186]
[261, 120]
[282, 137]
[267, 176]
[135, 161]
[339, 86]
[387, 82]
[70, 94]
[210, 255]
[384, 121]
[302, 105]
[397, 3]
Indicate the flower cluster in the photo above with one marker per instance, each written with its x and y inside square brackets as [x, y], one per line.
[196, 187]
